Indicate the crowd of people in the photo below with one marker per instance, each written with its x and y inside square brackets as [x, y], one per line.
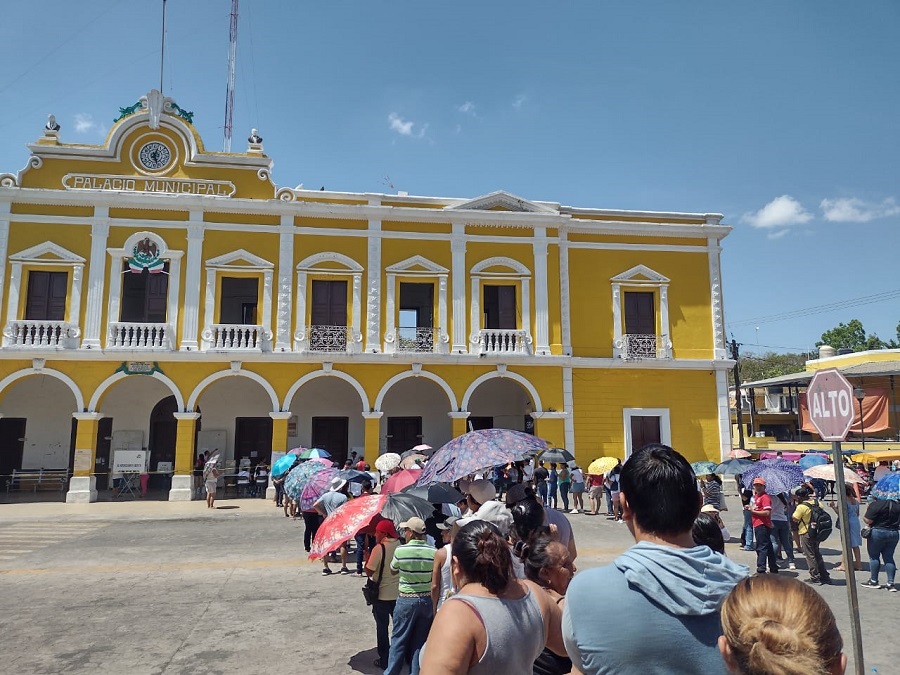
[489, 585]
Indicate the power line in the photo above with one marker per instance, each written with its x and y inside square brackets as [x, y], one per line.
[819, 309]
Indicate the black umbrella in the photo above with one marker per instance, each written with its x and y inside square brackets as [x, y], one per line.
[354, 476]
[436, 493]
[556, 456]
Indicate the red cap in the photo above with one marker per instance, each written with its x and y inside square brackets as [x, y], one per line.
[759, 481]
[387, 527]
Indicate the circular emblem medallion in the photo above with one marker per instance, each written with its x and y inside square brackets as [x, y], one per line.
[154, 156]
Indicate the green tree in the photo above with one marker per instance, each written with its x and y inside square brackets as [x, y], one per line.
[852, 335]
[760, 367]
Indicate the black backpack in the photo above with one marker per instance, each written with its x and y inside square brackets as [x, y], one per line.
[820, 524]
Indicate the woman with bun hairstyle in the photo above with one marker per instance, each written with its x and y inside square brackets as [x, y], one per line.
[496, 623]
[773, 625]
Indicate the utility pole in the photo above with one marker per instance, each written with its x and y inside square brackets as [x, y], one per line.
[737, 392]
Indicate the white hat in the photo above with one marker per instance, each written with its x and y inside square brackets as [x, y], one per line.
[482, 491]
[337, 483]
[494, 513]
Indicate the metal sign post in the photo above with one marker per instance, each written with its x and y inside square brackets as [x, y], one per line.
[830, 399]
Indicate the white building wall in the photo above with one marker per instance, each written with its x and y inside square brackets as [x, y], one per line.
[47, 404]
[227, 399]
[130, 401]
[504, 400]
[419, 397]
[327, 397]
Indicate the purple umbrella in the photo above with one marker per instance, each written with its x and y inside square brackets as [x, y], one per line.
[476, 451]
[779, 474]
[299, 475]
[317, 485]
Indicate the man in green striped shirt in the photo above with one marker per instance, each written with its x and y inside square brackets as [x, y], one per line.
[414, 610]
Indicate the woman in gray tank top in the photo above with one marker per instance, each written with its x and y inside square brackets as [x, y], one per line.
[496, 623]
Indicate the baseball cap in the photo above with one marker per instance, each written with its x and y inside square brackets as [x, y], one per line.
[415, 524]
[482, 491]
[518, 493]
[387, 527]
[759, 481]
[448, 523]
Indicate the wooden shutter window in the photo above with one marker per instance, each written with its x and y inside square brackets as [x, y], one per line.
[46, 297]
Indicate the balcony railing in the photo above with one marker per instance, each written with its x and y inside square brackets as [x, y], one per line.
[417, 339]
[40, 333]
[635, 347]
[236, 337]
[327, 338]
[133, 335]
[504, 341]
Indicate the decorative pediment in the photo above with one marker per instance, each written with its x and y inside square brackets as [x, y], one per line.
[239, 258]
[332, 257]
[416, 264]
[640, 274]
[500, 201]
[488, 265]
[46, 252]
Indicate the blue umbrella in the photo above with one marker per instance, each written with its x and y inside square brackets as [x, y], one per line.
[476, 451]
[888, 487]
[779, 474]
[314, 453]
[703, 468]
[283, 465]
[733, 466]
[809, 461]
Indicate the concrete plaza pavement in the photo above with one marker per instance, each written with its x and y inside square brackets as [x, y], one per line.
[176, 588]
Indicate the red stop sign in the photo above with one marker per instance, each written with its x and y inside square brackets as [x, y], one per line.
[830, 402]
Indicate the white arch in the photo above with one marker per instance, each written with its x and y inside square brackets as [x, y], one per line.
[329, 256]
[256, 377]
[412, 373]
[535, 398]
[62, 377]
[500, 261]
[115, 377]
[364, 399]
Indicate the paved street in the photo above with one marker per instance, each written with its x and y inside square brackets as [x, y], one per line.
[153, 587]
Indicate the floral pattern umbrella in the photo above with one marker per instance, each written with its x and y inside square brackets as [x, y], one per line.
[602, 465]
[400, 480]
[357, 514]
[413, 461]
[826, 472]
[888, 487]
[316, 486]
[387, 461]
[703, 468]
[296, 479]
[779, 474]
[479, 450]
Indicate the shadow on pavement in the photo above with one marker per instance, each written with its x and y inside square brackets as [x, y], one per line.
[225, 508]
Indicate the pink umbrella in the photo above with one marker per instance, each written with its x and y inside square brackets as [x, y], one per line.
[297, 450]
[400, 480]
[317, 485]
[737, 453]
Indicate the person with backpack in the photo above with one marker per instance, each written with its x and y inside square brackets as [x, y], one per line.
[814, 526]
[760, 508]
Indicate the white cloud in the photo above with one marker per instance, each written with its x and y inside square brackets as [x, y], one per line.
[467, 108]
[777, 234]
[519, 101]
[853, 210]
[406, 127]
[782, 211]
[84, 123]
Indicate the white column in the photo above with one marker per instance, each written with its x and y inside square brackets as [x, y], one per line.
[476, 313]
[724, 414]
[356, 335]
[373, 288]
[715, 295]
[210, 305]
[75, 303]
[173, 296]
[664, 320]
[96, 276]
[443, 337]
[12, 307]
[390, 318]
[300, 334]
[115, 288]
[564, 300]
[191, 311]
[458, 286]
[569, 405]
[285, 270]
[541, 302]
[5, 208]
[526, 306]
[268, 276]
[617, 320]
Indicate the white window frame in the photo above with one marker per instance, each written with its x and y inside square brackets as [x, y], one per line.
[478, 276]
[665, 424]
[640, 277]
[352, 270]
[231, 262]
[419, 267]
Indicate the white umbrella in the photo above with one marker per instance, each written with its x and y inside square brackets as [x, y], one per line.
[387, 461]
[826, 472]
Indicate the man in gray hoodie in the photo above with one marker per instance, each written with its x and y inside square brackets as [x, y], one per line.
[655, 610]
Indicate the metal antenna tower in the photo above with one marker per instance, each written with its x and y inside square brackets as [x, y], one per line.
[229, 92]
[162, 49]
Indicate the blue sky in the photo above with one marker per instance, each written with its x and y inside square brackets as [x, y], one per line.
[781, 115]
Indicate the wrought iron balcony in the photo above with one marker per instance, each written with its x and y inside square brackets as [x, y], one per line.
[236, 337]
[503, 341]
[417, 339]
[635, 347]
[134, 335]
[37, 333]
[326, 338]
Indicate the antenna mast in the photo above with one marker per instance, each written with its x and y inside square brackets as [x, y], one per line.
[162, 49]
[229, 93]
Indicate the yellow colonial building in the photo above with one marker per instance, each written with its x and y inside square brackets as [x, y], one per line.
[160, 296]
